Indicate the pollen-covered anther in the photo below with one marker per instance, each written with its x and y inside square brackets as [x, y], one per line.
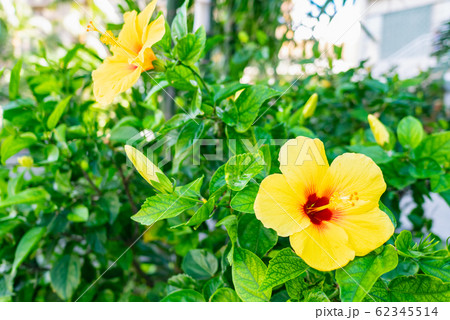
[108, 38]
[341, 201]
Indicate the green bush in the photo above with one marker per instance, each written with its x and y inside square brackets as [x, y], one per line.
[78, 223]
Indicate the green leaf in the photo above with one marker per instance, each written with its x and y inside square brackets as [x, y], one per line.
[357, 278]
[231, 224]
[26, 245]
[296, 287]
[225, 295]
[211, 286]
[8, 225]
[182, 281]
[202, 214]
[406, 246]
[440, 183]
[122, 134]
[65, 276]
[425, 168]
[52, 121]
[228, 90]
[179, 24]
[280, 296]
[243, 200]
[181, 78]
[228, 115]
[405, 267]
[72, 53]
[241, 142]
[51, 153]
[378, 292]
[248, 273]
[410, 132]
[189, 48]
[79, 213]
[217, 180]
[200, 264]
[14, 81]
[13, 144]
[440, 268]
[418, 288]
[192, 189]
[29, 196]
[404, 242]
[241, 168]
[376, 153]
[165, 44]
[188, 137]
[248, 104]
[253, 236]
[316, 296]
[286, 265]
[389, 214]
[195, 107]
[184, 296]
[436, 146]
[162, 206]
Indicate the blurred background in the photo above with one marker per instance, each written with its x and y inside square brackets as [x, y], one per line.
[409, 35]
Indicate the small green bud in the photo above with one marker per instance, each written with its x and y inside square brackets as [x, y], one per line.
[310, 106]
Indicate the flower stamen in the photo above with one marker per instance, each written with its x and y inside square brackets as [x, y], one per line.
[105, 37]
[91, 27]
[339, 201]
[109, 39]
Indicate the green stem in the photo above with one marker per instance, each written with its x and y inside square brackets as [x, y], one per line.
[334, 294]
[200, 78]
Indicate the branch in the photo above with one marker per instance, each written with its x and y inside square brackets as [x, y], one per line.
[147, 279]
[86, 176]
[127, 188]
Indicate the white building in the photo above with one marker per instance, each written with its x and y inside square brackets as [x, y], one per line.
[403, 32]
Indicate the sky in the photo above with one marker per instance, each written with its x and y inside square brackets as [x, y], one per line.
[345, 26]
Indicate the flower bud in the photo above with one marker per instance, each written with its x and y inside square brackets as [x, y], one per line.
[154, 176]
[325, 83]
[379, 131]
[310, 106]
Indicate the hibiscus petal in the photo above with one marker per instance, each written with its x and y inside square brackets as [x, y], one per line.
[355, 175]
[128, 37]
[323, 247]
[115, 75]
[144, 16]
[303, 162]
[278, 207]
[152, 34]
[366, 230]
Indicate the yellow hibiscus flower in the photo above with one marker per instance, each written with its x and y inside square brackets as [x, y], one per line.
[132, 53]
[330, 213]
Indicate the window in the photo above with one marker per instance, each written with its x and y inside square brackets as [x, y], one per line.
[401, 28]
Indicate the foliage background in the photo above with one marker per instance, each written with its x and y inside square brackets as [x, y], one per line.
[66, 220]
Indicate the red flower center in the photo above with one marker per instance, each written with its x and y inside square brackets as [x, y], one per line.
[313, 211]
